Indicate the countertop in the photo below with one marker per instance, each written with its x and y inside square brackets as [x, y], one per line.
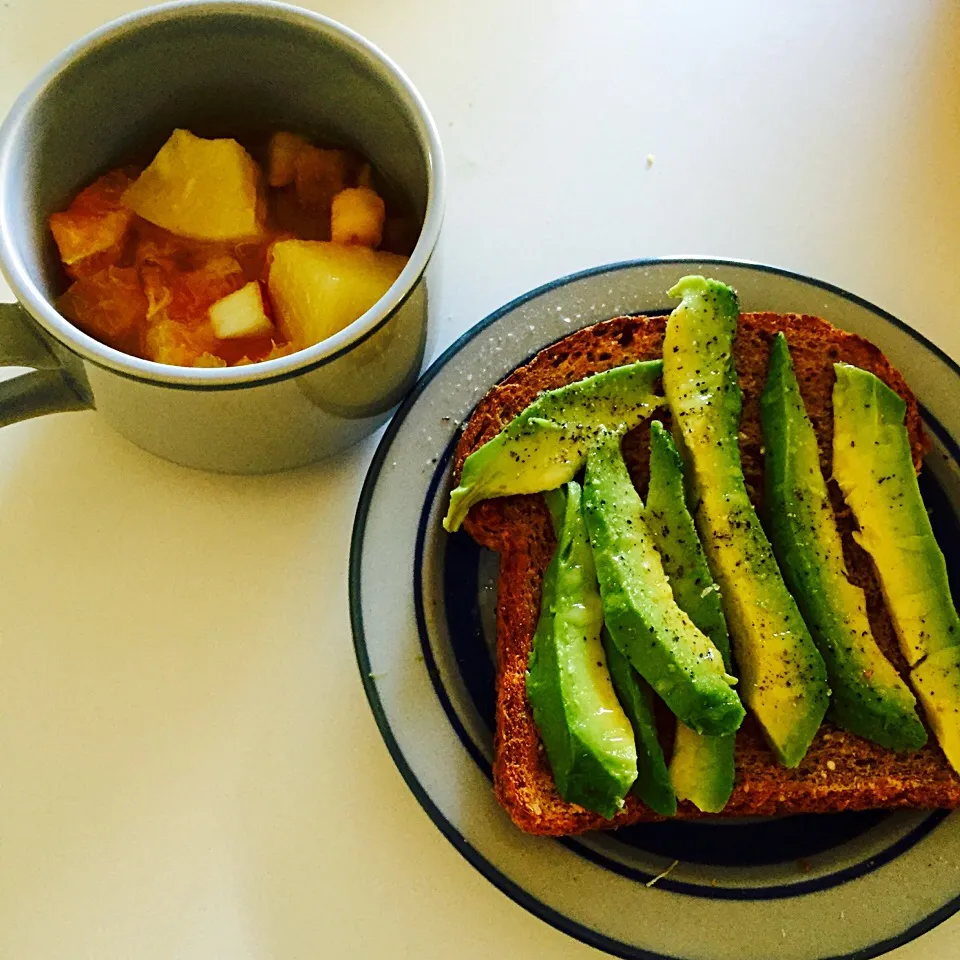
[188, 766]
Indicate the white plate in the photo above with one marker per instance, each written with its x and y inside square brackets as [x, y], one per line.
[796, 888]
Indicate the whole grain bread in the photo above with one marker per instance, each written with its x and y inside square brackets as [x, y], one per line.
[841, 771]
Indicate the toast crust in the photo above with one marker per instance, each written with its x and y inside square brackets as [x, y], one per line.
[841, 771]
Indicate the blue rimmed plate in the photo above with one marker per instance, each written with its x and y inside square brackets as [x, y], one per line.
[423, 613]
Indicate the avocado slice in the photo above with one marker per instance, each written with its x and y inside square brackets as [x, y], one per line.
[873, 464]
[588, 739]
[653, 784]
[546, 444]
[783, 677]
[649, 629]
[869, 697]
[701, 768]
[937, 682]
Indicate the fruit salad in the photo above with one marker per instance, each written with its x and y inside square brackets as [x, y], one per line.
[207, 258]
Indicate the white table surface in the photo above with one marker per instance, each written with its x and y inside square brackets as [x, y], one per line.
[188, 767]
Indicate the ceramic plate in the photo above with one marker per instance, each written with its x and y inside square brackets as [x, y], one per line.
[422, 604]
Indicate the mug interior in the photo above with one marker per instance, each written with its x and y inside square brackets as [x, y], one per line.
[218, 69]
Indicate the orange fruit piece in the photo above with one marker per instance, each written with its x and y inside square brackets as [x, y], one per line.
[91, 233]
[108, 305]
[186, 295]
[180, 344]
[158, 246]
[209, 360]
[278, 350]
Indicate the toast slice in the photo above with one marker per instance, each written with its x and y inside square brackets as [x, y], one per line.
[841, 771]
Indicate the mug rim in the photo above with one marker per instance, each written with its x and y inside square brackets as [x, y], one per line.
[42, 310]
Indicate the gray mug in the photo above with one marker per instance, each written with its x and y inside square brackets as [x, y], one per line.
[219, 69]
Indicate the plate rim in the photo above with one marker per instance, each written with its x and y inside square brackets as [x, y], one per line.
[487, 869]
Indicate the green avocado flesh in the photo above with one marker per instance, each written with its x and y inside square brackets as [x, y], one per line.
[547, 443]
[652, 785]
[873, 465]
[650, 630]
[869, 697]
[588, 739]
[701, 768]
[937, 682]
[782, 675]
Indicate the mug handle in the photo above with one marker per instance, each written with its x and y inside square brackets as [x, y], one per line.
[47, 389]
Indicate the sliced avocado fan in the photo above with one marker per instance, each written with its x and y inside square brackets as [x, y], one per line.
[782, 675]
[649, 629]
[873, 465]
[701, 768]
[588, 739]
[868, 696]
[547, 443]
[652, 785]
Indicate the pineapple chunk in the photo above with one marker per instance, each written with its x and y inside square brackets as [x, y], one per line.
[241, 314]
[91, 233]
[318, 288]
[203, 189]
[282, 153]
[357, 217]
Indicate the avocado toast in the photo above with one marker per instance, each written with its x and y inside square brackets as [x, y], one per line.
[840, 770]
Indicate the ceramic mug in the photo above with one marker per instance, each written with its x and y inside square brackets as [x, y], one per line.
[219, 69]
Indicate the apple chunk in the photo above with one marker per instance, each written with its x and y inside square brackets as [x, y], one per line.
[318, 288]
[241, 314]
[203, 189]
